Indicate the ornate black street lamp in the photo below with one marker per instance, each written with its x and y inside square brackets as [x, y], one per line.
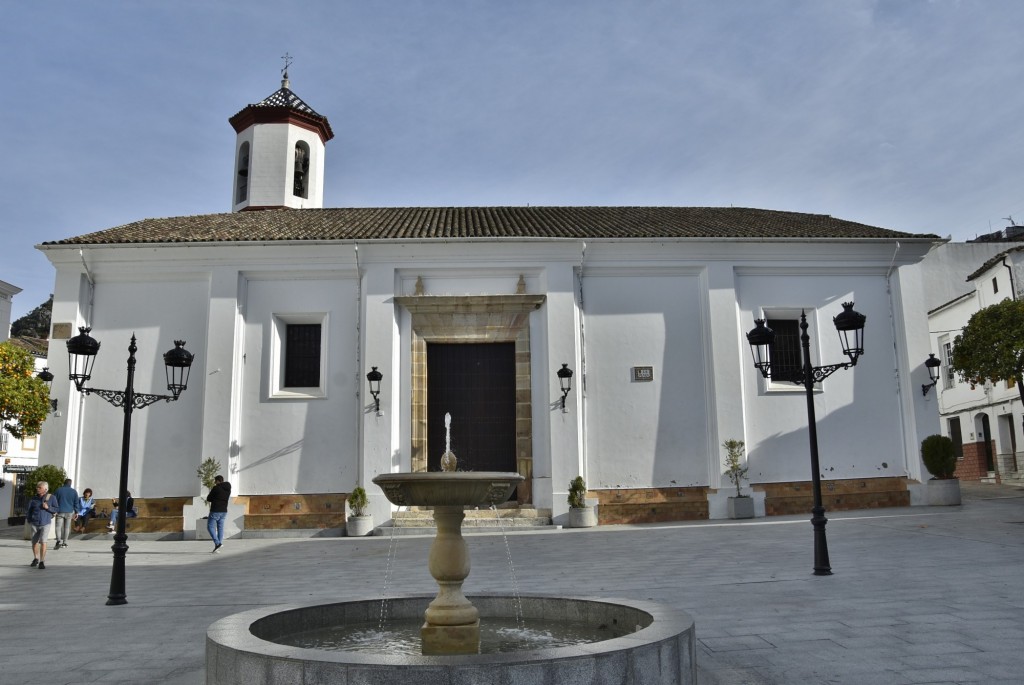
[850, 325]
[82, 350]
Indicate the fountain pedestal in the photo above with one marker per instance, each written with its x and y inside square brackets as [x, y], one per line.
[452, 623]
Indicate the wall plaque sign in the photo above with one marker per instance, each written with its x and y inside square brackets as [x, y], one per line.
[643, 374]
[61, 331]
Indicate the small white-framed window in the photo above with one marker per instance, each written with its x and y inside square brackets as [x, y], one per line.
[298, 352]
[948, 376]
[786, 353]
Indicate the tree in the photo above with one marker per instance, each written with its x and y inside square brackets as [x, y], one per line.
[991, 346]
[24, 399]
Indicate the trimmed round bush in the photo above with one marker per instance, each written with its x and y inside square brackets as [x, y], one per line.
[938, 456]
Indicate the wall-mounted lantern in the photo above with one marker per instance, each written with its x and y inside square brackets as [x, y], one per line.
[565, 381]
[46, 377]
[932, 365]
[374, 377]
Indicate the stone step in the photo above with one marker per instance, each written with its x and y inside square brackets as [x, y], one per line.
[421, 521]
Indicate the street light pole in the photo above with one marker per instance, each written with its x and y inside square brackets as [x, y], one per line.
[82, 350]
[822, 567]
[850, 325]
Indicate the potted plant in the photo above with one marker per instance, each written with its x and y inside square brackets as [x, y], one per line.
[940, 459]
[358, 523]
[741, 506]
[581, 515]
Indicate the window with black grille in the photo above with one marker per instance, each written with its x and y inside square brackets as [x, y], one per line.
[302, 355]
[785, 352]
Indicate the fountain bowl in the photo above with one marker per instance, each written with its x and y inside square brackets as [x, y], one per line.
[240, 649]
[447, 488]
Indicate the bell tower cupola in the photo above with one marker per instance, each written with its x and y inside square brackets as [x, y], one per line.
[279, 153]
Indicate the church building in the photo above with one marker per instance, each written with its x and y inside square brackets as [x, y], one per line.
[482, 313]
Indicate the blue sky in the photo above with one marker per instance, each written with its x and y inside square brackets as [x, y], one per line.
[905, 114]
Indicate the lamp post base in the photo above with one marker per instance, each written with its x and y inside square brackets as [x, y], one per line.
[822, 567]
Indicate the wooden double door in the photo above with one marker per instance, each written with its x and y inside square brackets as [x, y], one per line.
[476, 384]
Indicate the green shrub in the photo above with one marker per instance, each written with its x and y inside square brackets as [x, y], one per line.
[53, 475]
[577, 493]
[938, 456]
[358, 501]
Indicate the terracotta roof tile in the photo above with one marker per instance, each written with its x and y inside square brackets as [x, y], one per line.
[429, 223]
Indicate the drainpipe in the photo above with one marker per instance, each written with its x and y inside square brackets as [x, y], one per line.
[1009, 270]
[896, 361]
[359, 365]
[92, 287]
[583, 364]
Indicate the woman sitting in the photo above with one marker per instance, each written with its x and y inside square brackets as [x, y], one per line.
[129, 511]
[85, 510]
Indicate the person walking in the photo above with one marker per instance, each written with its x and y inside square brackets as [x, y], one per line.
[86, 510]
[39, 515]
[67, 502]
[220, 495]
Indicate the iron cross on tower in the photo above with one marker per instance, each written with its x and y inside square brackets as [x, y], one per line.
[287, 63]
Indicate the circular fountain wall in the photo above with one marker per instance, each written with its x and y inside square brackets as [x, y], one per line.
[241, 649]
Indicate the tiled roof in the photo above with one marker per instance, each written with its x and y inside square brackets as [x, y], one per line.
[280, 107]
[427, 223]
[284, 97]
[993, 261]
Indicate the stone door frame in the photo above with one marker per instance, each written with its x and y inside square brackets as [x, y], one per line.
[473, 319]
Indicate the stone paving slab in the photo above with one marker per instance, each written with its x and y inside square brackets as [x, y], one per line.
[919, 595]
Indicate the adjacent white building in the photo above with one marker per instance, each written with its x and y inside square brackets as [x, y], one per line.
[472, 311]
[18, 456]
[982, 420]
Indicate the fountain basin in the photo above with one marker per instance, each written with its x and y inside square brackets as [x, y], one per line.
[240, 649]
[447, 488]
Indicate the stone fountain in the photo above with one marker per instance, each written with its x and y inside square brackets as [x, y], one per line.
[645, 643]
[452, 623]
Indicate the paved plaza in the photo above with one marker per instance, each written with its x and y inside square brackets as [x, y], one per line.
[919, 595]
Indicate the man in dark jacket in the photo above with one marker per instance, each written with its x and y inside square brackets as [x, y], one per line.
[218, 498]
[39, 515]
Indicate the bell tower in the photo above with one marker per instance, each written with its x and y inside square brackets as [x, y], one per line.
[279, 153]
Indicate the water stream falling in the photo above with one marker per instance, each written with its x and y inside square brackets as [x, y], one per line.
[511, 569]
[392, 553]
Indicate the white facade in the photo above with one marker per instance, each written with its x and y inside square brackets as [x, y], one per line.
[679, 307]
